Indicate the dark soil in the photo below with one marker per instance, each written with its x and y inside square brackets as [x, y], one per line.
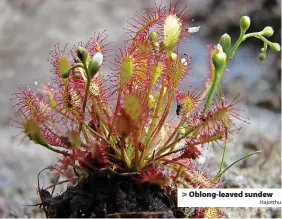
[104, 194]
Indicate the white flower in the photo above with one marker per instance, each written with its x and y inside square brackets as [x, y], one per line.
[98, 57]
[95, 64]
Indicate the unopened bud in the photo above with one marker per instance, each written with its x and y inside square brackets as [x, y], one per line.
[219, 57]
[262, 56]
[153, 36]
[275, 47]
[245, 23]
[82, 54]
[267, 31]
[225, 42]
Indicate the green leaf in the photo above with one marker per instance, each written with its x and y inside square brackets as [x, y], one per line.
[63, 67]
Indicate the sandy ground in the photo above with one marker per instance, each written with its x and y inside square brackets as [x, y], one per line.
[29, 29]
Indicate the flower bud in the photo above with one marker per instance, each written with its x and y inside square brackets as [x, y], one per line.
[275, 47]
[82, 54]
[262, 56]
[245, 23]
[225, 42]
[95, 64]
[267, 31]
[153, 36]
[219, 57]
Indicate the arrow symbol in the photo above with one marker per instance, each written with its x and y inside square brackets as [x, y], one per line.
[184, 194]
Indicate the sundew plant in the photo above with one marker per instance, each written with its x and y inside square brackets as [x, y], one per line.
[120, 121]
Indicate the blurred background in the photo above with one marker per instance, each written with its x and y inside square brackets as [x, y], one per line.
[30, 28]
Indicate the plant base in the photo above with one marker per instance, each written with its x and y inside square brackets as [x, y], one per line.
[104, 194]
